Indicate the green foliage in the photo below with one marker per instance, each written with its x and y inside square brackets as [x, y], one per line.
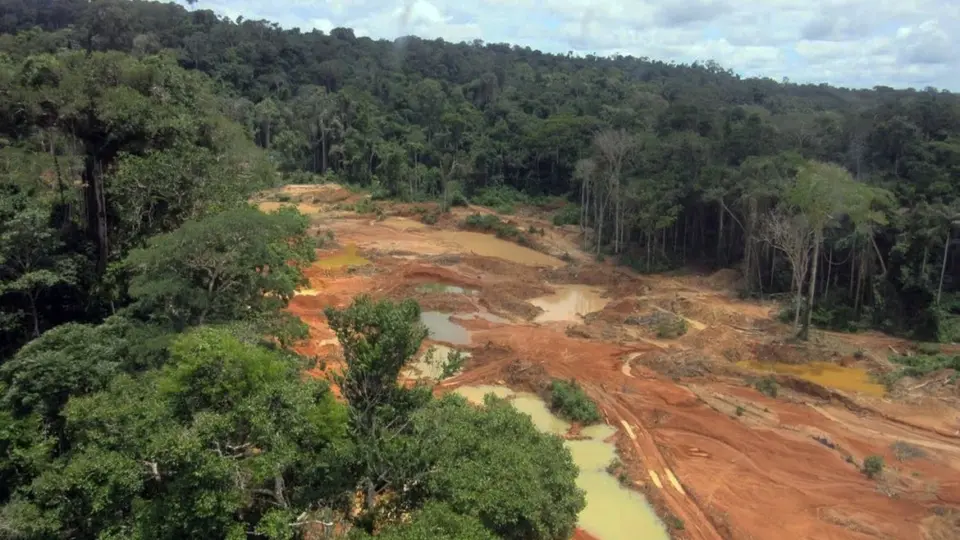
[436, 521]
[568, 215]
[671, 327]
[228, 266]
[502, 229]
[569, 401]
[219, 438]
[378, 339]
[502, 198]
[767, 386]
[921, 365]
[873, 466]
[461, 445]
[453, 364]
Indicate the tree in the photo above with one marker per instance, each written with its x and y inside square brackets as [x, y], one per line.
[436, 521]
[228, 266]
[32, 259]
[823, 193]
[225, 439]
[460, 446]
[378, 339]
[793, 236]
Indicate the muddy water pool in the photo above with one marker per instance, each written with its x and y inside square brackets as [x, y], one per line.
[443, 329]
[490, 246]
[850, 379]
[568, 302]
[612, 512]
[346, 257]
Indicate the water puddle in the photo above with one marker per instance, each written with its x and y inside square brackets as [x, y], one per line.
[849, 379]
[443, 288]
[443, 329]
[490, 246]
[569, 302]
[347, 257]
[430, 364]
[612, 512]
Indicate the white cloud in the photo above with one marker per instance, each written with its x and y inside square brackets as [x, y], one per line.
[847, 42]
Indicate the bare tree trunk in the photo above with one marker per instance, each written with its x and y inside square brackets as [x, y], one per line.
[805, 331]
[943, 269]
[826, 282]
[34, 313]
[720, 236]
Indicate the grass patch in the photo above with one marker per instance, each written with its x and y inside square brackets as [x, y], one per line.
[570, 402]
[904, 451]
[921, 365]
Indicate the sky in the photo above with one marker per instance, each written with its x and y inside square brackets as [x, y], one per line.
[852, 43]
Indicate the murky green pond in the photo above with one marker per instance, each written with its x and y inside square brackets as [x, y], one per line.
[443, 329]
[612, 512]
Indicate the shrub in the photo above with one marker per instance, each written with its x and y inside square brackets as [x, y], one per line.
[453, 365]
[502, 229]
[671, 327]
[430, 218]
[928, 349]
[568, 215]
[500, 197]
[767, 386]
[873, 466]
[284, 197]
[365, 206]
[459, 199]
[569, 401]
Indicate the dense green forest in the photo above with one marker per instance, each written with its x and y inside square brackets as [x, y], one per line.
[670, 164]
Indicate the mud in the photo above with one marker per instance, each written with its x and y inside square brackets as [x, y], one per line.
[714, 457]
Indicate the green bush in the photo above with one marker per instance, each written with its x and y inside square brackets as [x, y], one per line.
[928, 348]
[502, 229]
[568, 215]
[569, 401]
[873, 466]
[365, 206]
[767, 386]
[453, 364]
[671, 327]
[503, 197]
[430, 218]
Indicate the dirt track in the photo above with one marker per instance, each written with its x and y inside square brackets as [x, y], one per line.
[730, 462]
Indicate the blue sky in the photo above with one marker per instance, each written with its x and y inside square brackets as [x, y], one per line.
[857, 43]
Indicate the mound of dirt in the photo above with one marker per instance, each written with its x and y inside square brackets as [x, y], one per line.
[725, 279]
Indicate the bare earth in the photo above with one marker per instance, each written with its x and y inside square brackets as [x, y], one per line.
[699, 440]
